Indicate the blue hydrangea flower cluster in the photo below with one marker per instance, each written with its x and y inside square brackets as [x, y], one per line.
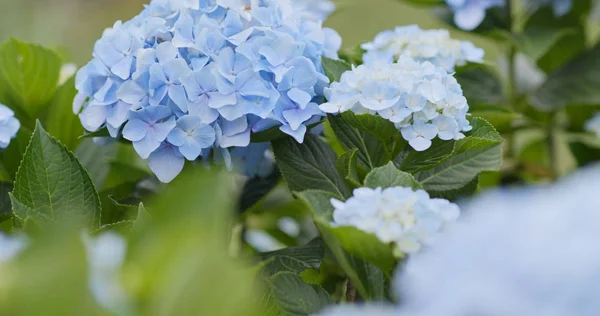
[435, 46]
[468, 14]
[423, 101]
[9, 126]
[194, 78]
[400, 216]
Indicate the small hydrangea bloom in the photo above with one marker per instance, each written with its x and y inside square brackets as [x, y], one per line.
[468, 14]
[560, 7]
[238, 66]
[422, 100]
[316, 10]
[400, 216]
[435, 46]
[11, 246]
[593, 125]
[525, 251]
[9, 126]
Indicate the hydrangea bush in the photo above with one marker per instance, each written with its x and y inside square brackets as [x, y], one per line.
[219, 151]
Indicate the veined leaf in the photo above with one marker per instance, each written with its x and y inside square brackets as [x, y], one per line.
[294, 297]
[389, 176]
[348, 169]
[334, 68]
[52, 182]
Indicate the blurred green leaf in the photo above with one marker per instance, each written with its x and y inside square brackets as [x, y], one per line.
[50, 277]
[294, 297]
[452, 195]
[424, 3]
[96, 159]
[573, 83]
[584, 153]
[389, 176]
[310, 165]
[60, 121]
[536, 42]
[500, 117]
[480, 151]
[255, 189]
[5, 206]
[318, 201]
[334, 68]
[28, 77]
[480, 85]
[11, 157]
[365, 246]
[348, 169]
[52, 182]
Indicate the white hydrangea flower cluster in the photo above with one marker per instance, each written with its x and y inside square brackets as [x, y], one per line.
[435, 46]
[408, 219]
[423, 100]
[593, 125]
[518, 252]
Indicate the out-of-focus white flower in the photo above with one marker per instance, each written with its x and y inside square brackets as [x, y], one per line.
[360, 310]
[400, 216]
[66, 72]
[262, 241]
[517, 252]
[106, 254]
[435, 46]
[593, 125]
[10, 246]
[422, 100]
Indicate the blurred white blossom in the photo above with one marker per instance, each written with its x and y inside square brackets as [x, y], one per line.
[593, 125]
[360, 310]
[516, 252]
[435, 46]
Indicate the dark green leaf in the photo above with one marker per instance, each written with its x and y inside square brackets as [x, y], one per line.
[96, 159]
[318, 201]
[480, 86]
[28, 76]
[573, 83]
[294, 259]
[348, 169]
[52, 182]
[334, 68]
[294, 297]
[5, 206]
[11, 157]
[256, 189]
[584, 153]
[310, 165]
[389, 176]
[453, 195]
[480, 151]
[536, 41]
[103, 132]
[416, 161]
[371, 152]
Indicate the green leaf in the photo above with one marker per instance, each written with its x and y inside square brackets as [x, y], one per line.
[535, 41]
[480, 151]
[374, 278]
[294, 297]
[294, 259]
[365, 246]
[142, 219]
[5, 205]
[371, 152]
[348, 169]
[416, 161]
[481, 86]
[52, 182]
[96, 160]
[122, 227]
[310, 165]
[500, 117]
[28, 76]
[584, 153]
[384, 130]
[573, 83]
[256, 189]
[319, 202]
[389, 176]
[334, 68]
[11, 157]
[453, 195]
[61, 122]
[103, 132]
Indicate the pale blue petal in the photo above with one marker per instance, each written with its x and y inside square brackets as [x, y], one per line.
[166, 163]
[135, 130]
[298, 134]
[178, 96]
[145, 146]
[93, 117]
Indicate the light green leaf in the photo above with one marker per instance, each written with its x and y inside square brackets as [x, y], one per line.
[348, 169]
[319, 202]
[389, 176]
[61, 122]
[142, 219]
[480, 151]
[51, 181]
[310, 165]
[500, 117]
[365, 246]
[535, 42]
[334, 68]
[294, 297]
[573, 83]
[28, 76]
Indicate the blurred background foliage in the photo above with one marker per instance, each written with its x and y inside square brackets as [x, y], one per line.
[72, 26]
